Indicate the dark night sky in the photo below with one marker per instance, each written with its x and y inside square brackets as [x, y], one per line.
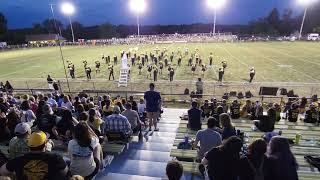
[24, 13]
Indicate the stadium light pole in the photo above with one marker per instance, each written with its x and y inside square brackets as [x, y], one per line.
[60, 49]
[306, 4]
[68, 9]
[215, 4]
[138, 6]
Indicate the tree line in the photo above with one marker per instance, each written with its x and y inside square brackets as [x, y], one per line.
[273, 24]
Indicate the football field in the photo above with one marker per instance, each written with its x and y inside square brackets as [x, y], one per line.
[273, 61]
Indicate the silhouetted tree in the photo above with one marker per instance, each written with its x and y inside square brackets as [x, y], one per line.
[3, 24]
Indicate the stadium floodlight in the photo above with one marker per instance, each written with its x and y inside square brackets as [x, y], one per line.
[305, 3]
[215, 4]
[68, 9]
[138, 6]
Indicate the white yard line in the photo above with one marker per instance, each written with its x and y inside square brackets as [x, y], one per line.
[286, 54]
[243, 63]
[276, 62]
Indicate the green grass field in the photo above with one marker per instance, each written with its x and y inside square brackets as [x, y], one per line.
[294, 62]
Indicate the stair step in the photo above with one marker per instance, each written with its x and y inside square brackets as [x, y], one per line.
[152, 146]
[142, 168]
[116, 176]
[146, 155]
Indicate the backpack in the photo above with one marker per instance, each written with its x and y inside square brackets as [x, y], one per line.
[258, 172]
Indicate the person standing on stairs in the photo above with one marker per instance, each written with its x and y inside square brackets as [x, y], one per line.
[153, 104]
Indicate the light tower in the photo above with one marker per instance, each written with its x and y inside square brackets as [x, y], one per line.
[214, 5]
[68, 9]
[138, 6]
[306, 4]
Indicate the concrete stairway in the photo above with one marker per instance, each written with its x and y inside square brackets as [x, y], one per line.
[147, 160]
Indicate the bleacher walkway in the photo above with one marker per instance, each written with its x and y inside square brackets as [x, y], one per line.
[147, 160]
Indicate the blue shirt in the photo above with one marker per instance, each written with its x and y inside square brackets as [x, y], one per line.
[152, 101]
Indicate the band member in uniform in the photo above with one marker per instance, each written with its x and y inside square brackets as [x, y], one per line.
[171, 74]
[235, 110]
[155, 73]
[142, 60]
[149, 68]
[200, 61]
[221, 73]
[186, 52]
[160, 67]
[71, 71]
[115, 60]
[190, 61]
[171, 56]
[312, 114]
[193, 69]
[179, 60]
[165, 62]
[252, 74]
[140, 68]
[98, 66]
[88, 72]
[133, 59]
[203, 69]
[103, 58]
[224, 65]
[155, 60]
[210, 59]
[197, 58]
[111, 72]
[85, 63]
[107, 59]
[146, 57]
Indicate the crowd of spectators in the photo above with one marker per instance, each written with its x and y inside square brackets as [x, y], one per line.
[31, 125]
[220, 146]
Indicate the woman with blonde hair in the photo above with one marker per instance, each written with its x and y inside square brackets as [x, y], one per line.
[228, 129]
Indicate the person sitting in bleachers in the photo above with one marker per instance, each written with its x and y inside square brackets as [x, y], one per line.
[257, 162]
[213, 106]
[26, 114]
[228, 129]
[194, 117]
[225, 106]
[85, 152]
[95, 121]
[208, 138]
[37, 164]
[174, 170]
[246, 110]
[206, 109]
[107, 108]
[223, 162]
[266, 123]
[219, 110]
[277, 108]
[283, 165]
[312, 114]
[47, 122]
[293, 113]
[142, 109]
[117, 123]
[133, 118]
[18, 145]
[235, 110]
[66, 125]
[5, 134]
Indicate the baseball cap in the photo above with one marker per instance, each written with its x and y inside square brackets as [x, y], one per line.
[22, 128]
[37, 139]
[116, 109]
